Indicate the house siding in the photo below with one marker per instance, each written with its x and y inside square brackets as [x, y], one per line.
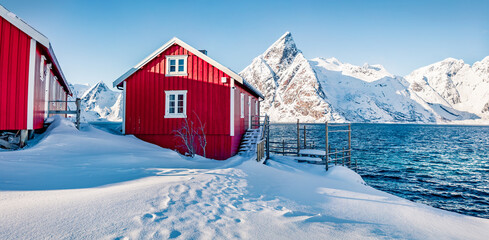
[207, 98]
[14, 71]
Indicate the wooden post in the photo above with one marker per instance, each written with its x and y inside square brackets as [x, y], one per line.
[349, 144]
[305, 146]
[49, 107]
[78, 112]
[268, 137]
[343, 158]
[298, 137]
[283, 147]
[326, 146]
[23, 137]
[336, 156]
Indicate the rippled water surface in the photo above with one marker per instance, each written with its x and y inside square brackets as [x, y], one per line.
[443, 166]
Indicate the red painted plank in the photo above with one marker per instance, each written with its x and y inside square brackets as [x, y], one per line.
[206, 95]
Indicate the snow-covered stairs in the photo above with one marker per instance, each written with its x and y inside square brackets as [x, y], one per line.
[249, 141]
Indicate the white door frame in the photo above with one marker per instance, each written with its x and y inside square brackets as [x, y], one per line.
[249, 112]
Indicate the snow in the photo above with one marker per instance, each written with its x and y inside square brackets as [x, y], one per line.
[453, 84]
[98, 103]
[312, 152]
[95, 185]
[320, 89]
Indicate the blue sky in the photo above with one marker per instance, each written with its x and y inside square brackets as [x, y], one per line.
[100, 40]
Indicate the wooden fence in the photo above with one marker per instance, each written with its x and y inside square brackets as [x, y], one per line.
[75, 112]
[337, 156]
[260, 151]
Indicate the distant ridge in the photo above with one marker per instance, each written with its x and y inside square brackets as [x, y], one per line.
[320, 89]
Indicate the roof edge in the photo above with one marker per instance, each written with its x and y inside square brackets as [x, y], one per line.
[165, 46]
[23, 26]
[36, 35]
[253, 89]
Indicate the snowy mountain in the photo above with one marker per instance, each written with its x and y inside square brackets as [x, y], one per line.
[283, 74]
[453, 84]
[98, 103]
[319, 90]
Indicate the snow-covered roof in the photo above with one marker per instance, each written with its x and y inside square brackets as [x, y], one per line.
[196, 52]
[36, 35]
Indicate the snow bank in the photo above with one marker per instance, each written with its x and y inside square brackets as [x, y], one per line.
[169, 196]
[66, 158]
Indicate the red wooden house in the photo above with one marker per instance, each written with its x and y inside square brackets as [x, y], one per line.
[30, 75]
[178, 81]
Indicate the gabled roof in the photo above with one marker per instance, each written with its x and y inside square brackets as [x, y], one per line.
[196, 52]
[36, 35]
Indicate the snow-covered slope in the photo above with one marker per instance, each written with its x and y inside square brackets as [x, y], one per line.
[454, 84]
[321, 89]
[367, 94]
[119, 187]
[98, 102]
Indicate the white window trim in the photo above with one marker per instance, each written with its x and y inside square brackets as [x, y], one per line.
[124, 100]
[232, 112]
[42, 72]
[242, 105]
[176, 58]
[30, 86]
[167, 104]
[249, 112]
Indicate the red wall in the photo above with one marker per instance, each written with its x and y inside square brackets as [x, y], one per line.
[39, 93]
[14, 73]
[207, 97]
[241, 124]
[56, 92]
[14, 80]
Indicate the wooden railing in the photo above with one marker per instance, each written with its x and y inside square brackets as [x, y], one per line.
[264, 123]
[75, 112]
[260, 150]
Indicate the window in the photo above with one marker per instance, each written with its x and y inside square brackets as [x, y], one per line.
[176, 104]
[242, 105]
[176, 65]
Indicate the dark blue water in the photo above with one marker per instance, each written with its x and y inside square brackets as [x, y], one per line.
[445, 167]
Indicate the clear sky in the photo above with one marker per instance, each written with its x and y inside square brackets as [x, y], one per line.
[100, 40]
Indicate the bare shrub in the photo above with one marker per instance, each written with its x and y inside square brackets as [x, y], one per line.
[188, 133]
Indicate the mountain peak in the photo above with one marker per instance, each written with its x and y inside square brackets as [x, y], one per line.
[281, 52]
[450, 60]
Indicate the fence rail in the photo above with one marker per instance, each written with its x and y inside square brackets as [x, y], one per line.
[260, 150]
[76, 112]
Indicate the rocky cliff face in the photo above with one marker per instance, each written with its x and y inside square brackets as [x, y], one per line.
[289, 84]
[321, 89]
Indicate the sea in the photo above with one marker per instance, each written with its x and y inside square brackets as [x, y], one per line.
[444, 166]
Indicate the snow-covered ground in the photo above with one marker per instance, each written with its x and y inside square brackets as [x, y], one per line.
[91, 184]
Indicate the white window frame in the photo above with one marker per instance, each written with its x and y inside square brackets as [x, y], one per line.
[249, 112]
[167, 104]
[242, 105]
[176, 58]
[42, 72]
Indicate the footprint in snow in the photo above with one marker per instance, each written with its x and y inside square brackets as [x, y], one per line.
[174, 234]
[298, 214]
